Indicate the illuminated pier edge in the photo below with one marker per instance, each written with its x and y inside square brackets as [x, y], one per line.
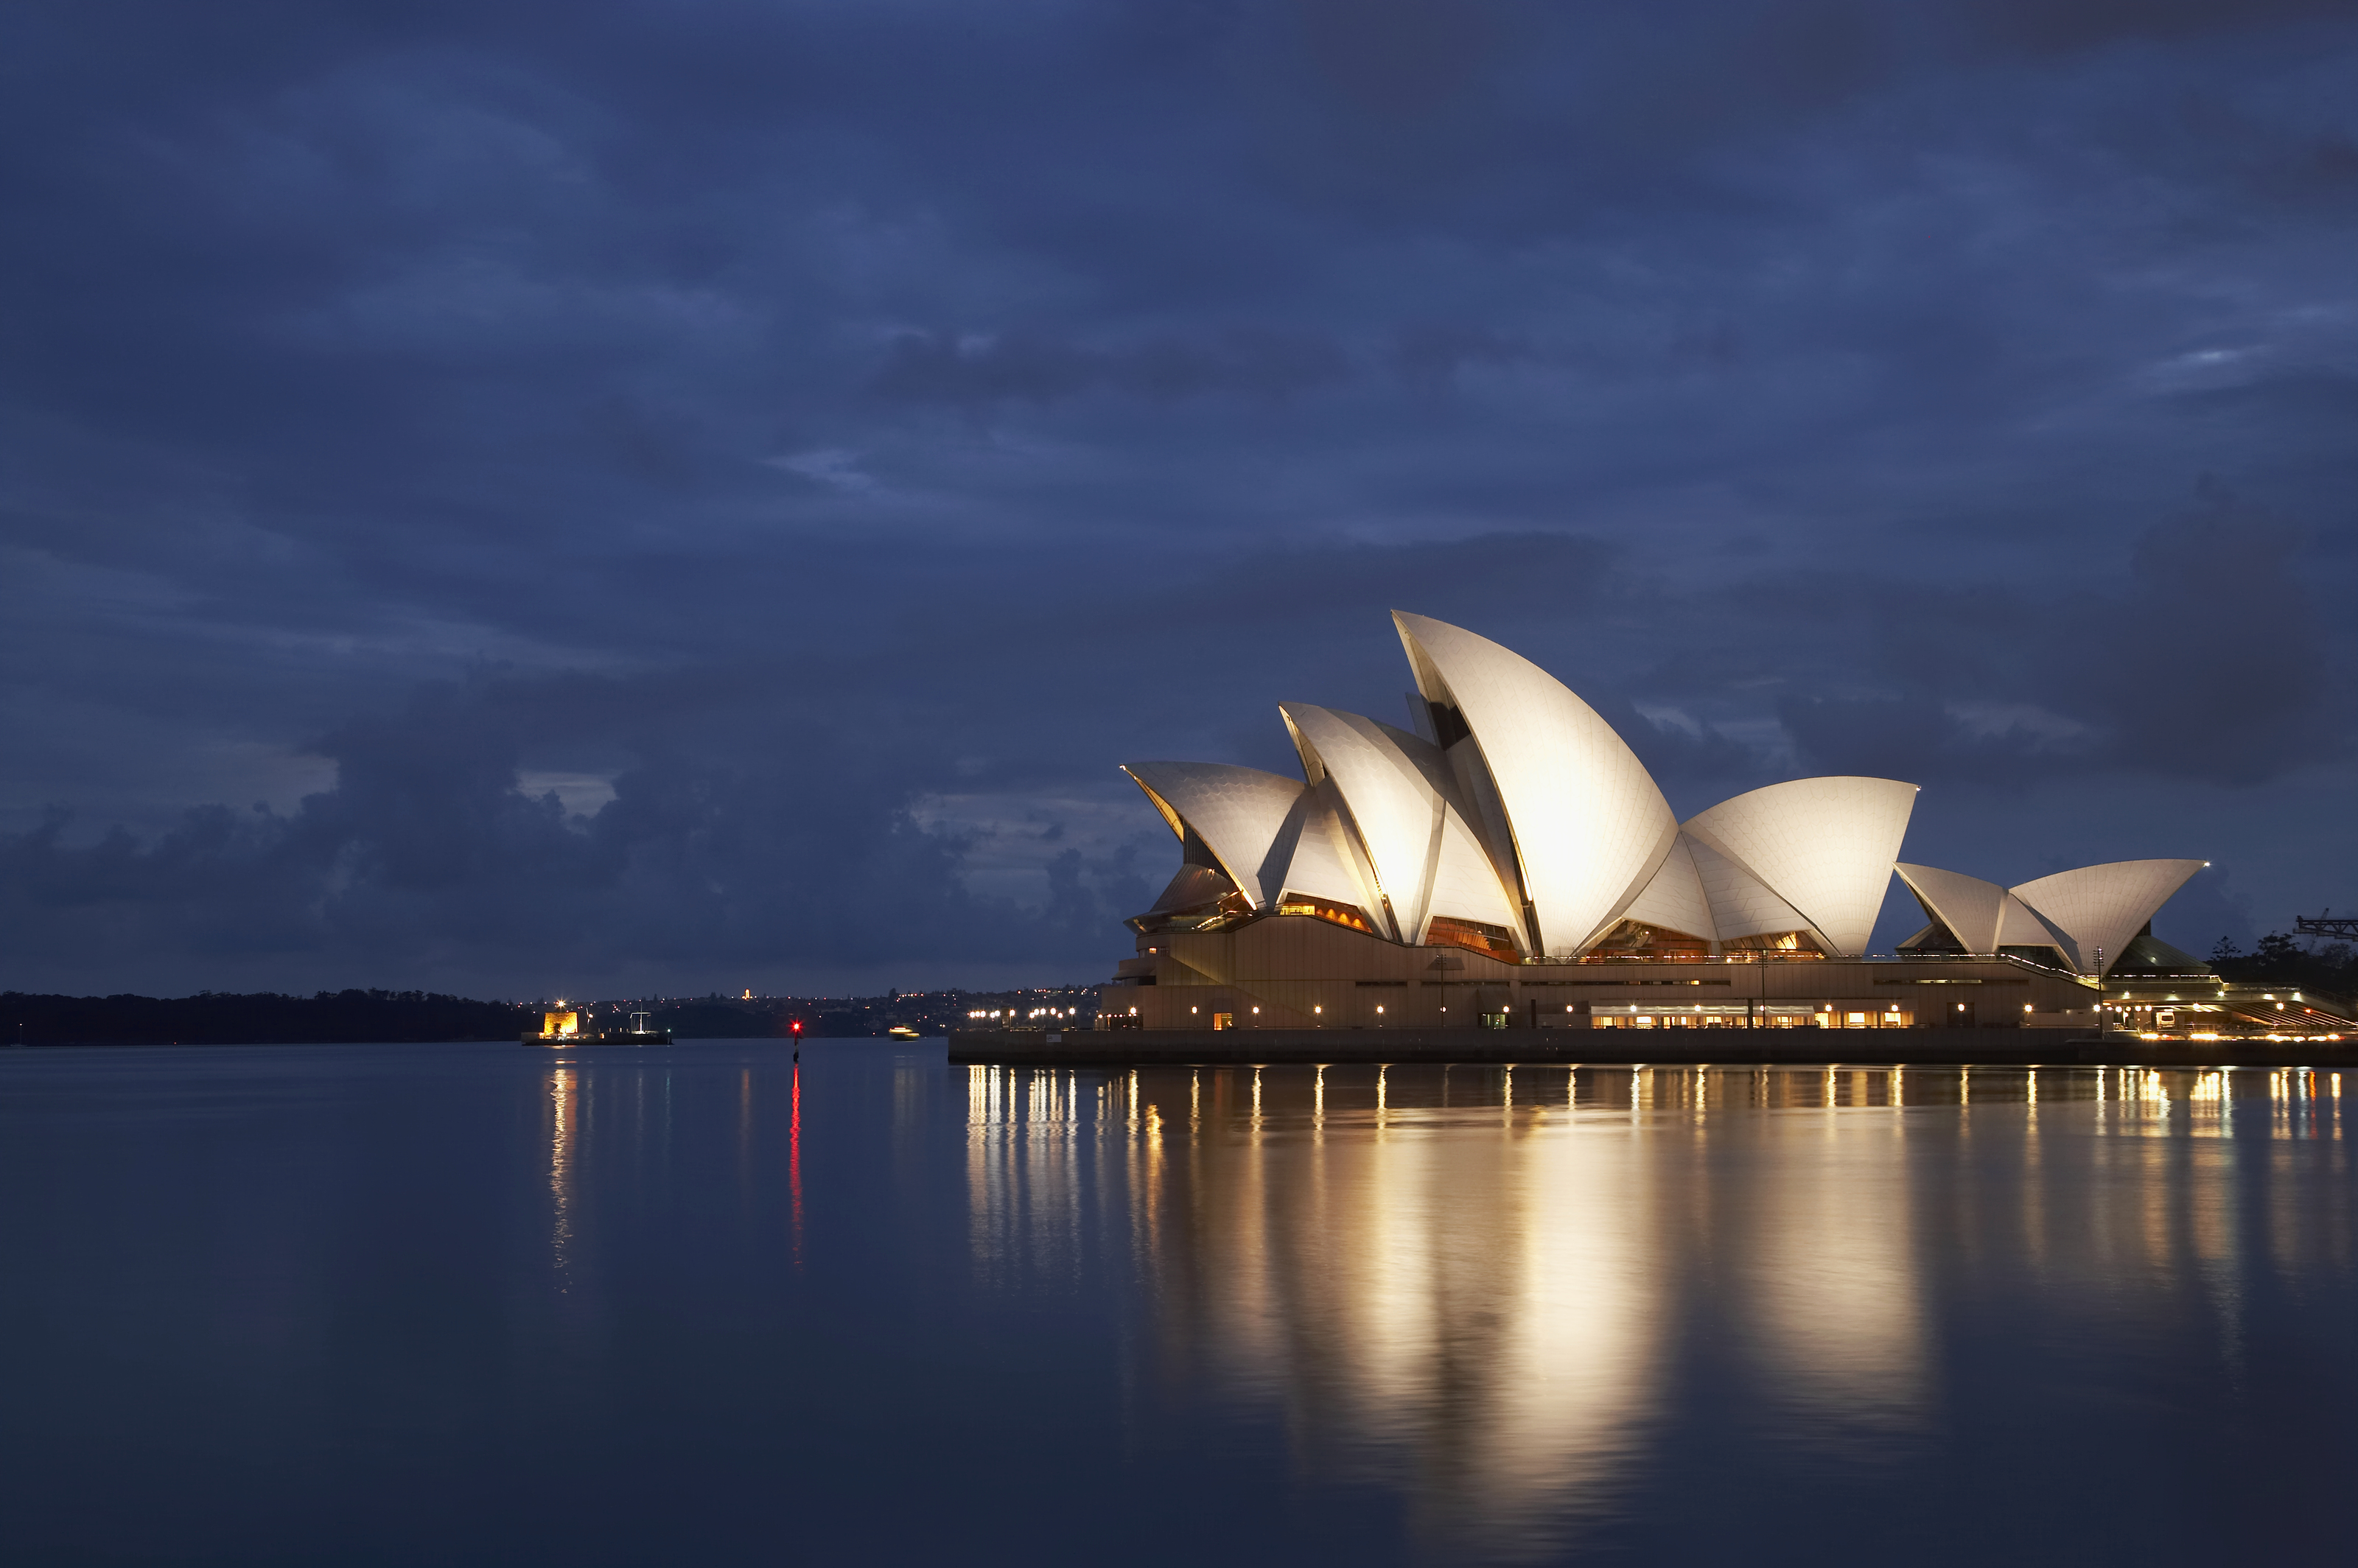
[1506, 863]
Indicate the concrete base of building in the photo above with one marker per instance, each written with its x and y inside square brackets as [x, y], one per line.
[1604, 1047]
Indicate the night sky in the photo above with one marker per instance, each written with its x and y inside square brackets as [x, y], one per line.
[623, 499]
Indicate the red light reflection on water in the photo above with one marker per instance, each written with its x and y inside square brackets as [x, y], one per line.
[795, 1162]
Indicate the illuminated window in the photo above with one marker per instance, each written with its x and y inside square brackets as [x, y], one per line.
[1495, 940]
[1776, 945]
[1224, 1020]
[1324, 909]
[1636, 939]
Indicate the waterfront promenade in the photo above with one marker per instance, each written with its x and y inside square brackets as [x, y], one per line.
[1995, 1047]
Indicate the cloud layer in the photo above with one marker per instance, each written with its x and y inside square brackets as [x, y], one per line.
[825, 440]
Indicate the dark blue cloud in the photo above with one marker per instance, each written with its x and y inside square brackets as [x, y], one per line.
[819, 442]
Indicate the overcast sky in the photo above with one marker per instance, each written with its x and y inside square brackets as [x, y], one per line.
[636, 498]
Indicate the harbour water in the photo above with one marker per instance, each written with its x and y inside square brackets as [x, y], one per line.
[472, 1304]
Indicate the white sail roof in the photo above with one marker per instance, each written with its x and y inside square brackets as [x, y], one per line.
[1970, 907]
[1589, 826]
[1395, 790]
[1527, 812]
[1319, 856]
[1674, 899]
[1824, 846]
[1239, 813]
[1741, 903]
[1390, 803]
[2105, 906]
[2019, 925]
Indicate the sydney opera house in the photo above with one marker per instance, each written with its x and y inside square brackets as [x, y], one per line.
[1507, 863]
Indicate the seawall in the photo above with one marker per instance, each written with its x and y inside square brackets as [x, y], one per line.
[1995, 1047]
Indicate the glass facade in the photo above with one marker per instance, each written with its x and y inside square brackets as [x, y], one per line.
[1776, 945]
[1472, 934]
[1346, 914]
[1757, 1015]
[1636, 939]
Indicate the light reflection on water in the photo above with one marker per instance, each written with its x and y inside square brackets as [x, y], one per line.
[560, 1166]
[1471, 1282]
[302, 1304]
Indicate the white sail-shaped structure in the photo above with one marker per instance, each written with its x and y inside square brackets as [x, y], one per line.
[1521, 826]
[1426, 860]
[2074, 915]
[1824, 846]
[1239, 814]
[1584, 825]
[2104, 907]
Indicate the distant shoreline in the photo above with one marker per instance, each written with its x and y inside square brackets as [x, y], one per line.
[354, 1017]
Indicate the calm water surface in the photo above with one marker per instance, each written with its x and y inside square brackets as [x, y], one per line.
[472, 1304]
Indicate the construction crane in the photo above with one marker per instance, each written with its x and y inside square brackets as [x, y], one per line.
[2341, 927]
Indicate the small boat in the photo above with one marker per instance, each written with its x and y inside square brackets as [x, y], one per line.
[561, 1029]
[902, 1032]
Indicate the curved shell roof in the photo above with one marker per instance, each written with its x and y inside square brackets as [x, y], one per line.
[2019, 925]
[1982, 916]
[1526, 811]
[1970, 908]
[1589, 828]
[1320, 858]
[1825, 846]
[1425, 858]
[2105, 906]
[2077, 911]
[1239, 813]
[1674, 899]
[1741, 903]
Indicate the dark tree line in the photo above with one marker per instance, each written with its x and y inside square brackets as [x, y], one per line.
[2279, 960]
[384, 1017]
[265, 1018]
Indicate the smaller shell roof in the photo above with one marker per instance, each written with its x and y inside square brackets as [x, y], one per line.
[1970, 908]
[2105, 906]
[2079, 911]
[1674, 899]
[1824, 845]
[1239, 813]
